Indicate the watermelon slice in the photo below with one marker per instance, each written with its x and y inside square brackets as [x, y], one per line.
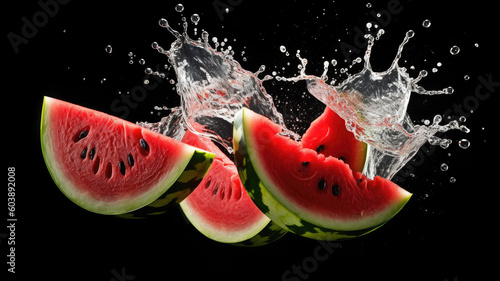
[110, 166]
[305, 192]
[220, 207]
[329, 136]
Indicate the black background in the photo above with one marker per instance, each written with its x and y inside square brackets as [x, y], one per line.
[444, 233]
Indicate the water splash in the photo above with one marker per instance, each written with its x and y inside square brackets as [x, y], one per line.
[213, 88]
[171, 125]
[374, 106]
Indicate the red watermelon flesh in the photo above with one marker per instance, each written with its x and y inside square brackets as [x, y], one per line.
[110, 166]
[329, 136]
[321, 191]
[220, 207]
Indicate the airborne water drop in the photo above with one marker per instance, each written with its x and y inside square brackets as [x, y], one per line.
[444, 167]
[455, 50]
[195, 18]
[179, 8]
[464, 143]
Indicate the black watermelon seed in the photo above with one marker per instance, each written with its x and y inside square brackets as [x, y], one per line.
[130, 160]
[336, 190]
[92, 153]
[108, 171]
[121, 166]
[216, 189]
[342, 158]
[83, 154]
[320, 148]
[81, 135]
[144, 145]
[95, 166]
[207, 183]
[321, 184]
[305, 163]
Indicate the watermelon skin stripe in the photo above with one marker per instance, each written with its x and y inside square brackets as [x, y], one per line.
[190, 178]
[268, 234]
[268, 204]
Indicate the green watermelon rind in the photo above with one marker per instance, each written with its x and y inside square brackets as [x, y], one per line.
[188, 180]
[257, 184]
[176, 185]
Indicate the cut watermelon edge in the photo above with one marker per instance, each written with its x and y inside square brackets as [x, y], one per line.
[222, 236]
[124, 205]
[279, 209]
[256, 231]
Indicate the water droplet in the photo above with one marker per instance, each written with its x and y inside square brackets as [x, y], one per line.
[410, 33]
[466, 77]
[434, 70]
[142, 61]
[334, 62]
[146, 81]
[444, 167]
[204, 35]
[455, 50]
[464, 129]
[179, 8]
[476, 45]
[108, 49]
[195, 18]
[368, 5]
[464, 143]
[445, 143]
[163, 22]
[437, 119]
[103, 80]
[154, 45]
[426, 23]
[462, 119]
[380, 33]
[148, 71]
[282, 48]
[130, 62]
[453, 179]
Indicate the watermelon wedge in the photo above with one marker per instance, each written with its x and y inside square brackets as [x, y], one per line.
[220, 207]
[110, 166]
[329, 136]
[305, 192]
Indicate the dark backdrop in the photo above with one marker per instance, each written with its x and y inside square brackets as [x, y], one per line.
[57, 48]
